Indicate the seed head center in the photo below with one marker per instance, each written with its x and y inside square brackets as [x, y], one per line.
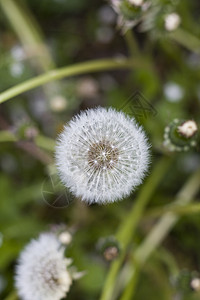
[102, 155]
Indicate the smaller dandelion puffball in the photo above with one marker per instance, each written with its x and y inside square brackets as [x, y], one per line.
[102, 155]
[172, 21]
[41, 272]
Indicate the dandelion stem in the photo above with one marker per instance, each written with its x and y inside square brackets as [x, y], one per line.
[161, 229]
[131, 43]
[7, 136]
[76, 69]
[129, 291]
[41, 141]
[128, 227]
[30, 35]
[177, 209]
[28, 31]
[12, 296]
[45, 143]
[186, 39]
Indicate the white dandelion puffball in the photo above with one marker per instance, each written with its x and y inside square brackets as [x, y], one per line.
[41, 272]
[102, 155]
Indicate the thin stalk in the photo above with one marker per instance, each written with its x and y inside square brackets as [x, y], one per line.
[130, 288]
[12, 296]
[76, 69]
[186, 39]
[128, 227]
[7, 136]
[160, 230]
[41, 141]
[30, 35]
[177, 209]
[45, 142]
[28, 32]
[131, 43]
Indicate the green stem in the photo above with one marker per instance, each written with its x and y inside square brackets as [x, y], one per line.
[77, 69]
[169, 260]
[128, 227]
[7, 136]
[41, 141]
[130, 288]
[12, 296]
[162, 228]
[186, 39]
[45, 143]
[131, 43]
[177, 209]
[28, 32]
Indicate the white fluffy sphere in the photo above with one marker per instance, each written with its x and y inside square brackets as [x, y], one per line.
[42, 272]
[102, 155]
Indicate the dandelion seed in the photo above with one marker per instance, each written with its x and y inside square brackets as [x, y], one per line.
[102, 155]
[42, 272]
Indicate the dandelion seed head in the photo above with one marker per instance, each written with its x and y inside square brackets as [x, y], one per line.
[102, 155]
[42, 272]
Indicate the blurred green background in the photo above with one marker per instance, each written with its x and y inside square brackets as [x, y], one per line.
[36, 36]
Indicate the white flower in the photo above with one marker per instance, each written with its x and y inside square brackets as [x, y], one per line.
[102, 155]
[65, 237]
[136, 2]
[172, 21]
[188, 128]
[41, 272]
[195, 284]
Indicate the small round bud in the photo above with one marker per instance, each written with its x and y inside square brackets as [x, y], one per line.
[187, 282]
[87, 87]
[65, 238]
[188, 128]
[195, 284]
[172, 21]
[180, 135]
[130, 10]
[136, 2]
[30, 133]
[58, 103]
[111, 253]
[182, 281]
[26, 131]
[109, 248]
